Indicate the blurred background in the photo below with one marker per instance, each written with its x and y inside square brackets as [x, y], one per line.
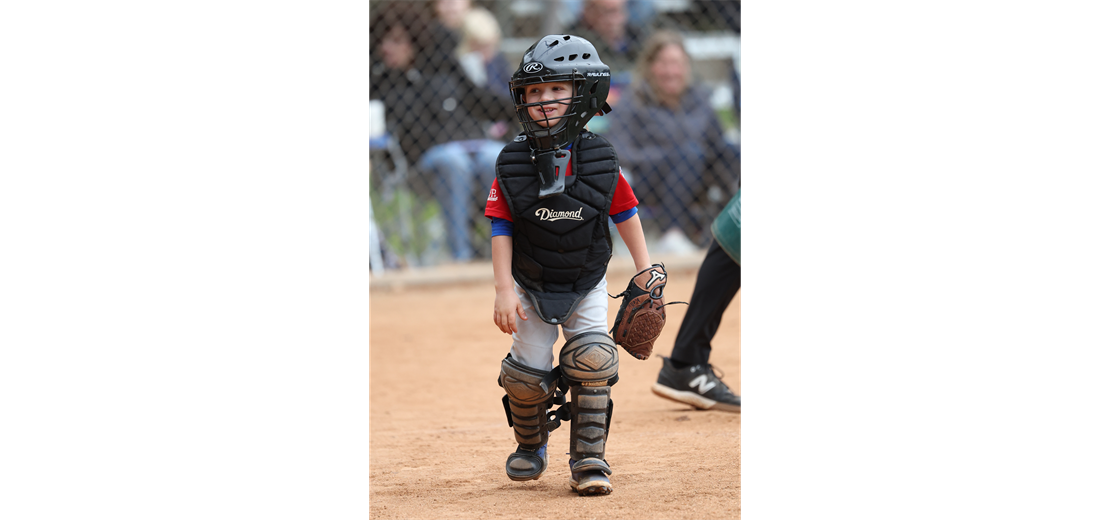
[440, 112]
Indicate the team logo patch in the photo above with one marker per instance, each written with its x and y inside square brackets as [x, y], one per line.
[519, 138]
[534, 66]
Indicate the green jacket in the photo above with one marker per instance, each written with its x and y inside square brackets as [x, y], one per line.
[726, 228]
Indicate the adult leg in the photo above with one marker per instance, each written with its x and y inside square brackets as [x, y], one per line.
[486, 161]
[717, 283]
[485, 170]
[453, 169]
[687, 377]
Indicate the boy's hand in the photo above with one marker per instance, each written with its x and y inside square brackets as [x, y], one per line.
[506, 307]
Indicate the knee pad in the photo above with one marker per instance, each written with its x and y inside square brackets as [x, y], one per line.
[589, 363]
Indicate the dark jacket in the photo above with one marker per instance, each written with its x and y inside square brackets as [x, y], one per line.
[649, 134]
[433, 103]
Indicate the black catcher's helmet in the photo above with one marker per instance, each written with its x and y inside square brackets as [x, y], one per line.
[561, 57]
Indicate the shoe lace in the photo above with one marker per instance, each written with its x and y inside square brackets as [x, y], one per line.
[720, 376]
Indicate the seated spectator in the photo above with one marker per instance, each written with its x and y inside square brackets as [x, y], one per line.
[436, 114]
[670, 141]
[480, 52]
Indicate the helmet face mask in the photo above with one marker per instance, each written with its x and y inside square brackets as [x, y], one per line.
[548, 124]
[557, 58]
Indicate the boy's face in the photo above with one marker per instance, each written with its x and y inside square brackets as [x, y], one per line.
[545, 115]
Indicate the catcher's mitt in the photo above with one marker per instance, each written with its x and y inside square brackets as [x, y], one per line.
[642, 314]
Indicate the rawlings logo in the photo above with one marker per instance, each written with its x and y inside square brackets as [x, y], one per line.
[535, 66]
[519, 139]
[547, 214]
[597, 73]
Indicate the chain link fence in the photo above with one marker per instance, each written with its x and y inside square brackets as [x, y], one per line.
[440, 112]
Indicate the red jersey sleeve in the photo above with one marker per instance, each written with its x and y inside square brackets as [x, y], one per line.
[623, 199]
[495, 204]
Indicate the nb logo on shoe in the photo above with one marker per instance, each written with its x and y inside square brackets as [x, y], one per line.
[703, 384]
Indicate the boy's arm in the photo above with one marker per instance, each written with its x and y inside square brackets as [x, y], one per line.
[506, 304]
[633, 235]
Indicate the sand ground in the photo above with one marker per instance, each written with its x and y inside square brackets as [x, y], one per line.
[439, 438]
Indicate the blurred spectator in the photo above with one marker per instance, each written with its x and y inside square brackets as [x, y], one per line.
[606, 24]
[451, 12]
[641, 13]
[669, 139]
[435, 112]
[480, 53]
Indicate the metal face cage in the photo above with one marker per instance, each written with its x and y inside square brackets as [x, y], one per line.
[556, 134]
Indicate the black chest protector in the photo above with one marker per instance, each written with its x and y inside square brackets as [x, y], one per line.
[561, 244]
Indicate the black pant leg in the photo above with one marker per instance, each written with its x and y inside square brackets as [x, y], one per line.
[718, 282]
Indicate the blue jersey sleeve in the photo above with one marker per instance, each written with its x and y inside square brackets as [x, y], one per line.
[500, 227]
[622, 216]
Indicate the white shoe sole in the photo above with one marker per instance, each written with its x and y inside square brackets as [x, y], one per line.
[692, 399]
[592, 489]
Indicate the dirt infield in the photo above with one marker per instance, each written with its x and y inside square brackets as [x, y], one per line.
[439, 438]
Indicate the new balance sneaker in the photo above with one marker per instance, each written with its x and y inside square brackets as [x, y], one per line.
[696, 385]
[591, 479]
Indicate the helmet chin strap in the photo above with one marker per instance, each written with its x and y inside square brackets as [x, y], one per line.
[552, 168]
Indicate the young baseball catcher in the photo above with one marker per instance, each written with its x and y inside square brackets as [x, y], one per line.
[557, 186]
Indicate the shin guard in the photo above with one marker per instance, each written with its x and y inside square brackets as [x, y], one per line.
[528, 395]
[589, 363]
